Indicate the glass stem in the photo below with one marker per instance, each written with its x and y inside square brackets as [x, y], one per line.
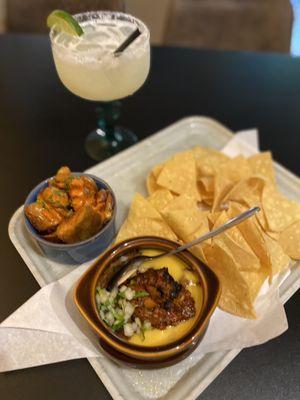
[108, 113]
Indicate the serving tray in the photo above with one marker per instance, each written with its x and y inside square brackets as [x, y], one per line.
[126, 174]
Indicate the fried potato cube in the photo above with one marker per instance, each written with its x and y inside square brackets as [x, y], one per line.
[83, 224]
[44, 219]
[61, 178]
[55, 197]
[82, 190]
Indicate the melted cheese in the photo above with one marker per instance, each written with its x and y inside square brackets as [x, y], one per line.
[178, 270]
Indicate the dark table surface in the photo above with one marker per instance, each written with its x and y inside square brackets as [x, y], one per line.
[43, 126]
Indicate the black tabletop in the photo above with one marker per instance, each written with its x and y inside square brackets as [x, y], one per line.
[43, 126]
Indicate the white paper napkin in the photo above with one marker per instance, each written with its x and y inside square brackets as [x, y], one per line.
[48, 328]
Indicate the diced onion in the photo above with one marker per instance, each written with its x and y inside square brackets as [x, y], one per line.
[147, 325]
[110, 318]
[128, 331]
[98, 299]
[129, 294]
[134, 326]
[116, 309]
[113, 295]
[103, 295]
[128, 311]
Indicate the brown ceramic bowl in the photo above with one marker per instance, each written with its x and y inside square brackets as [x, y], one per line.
[120, 349]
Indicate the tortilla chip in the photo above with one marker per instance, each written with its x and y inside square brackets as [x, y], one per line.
[289, 239]
[262, 164]
[181, 202]
[273, 235]
[206, 188]
[179, 175]
[198, 250]
[144, 220]
[185, 222]
[160, 198]
[233, 171]
[231, 303]
[208, 161]
[253, 234]
[213, 217]
[206, 184]
[152, 186]
[237, 168]
[189, 224]
[279, 259]
[248, 192]
[208, 200]
[280, 212]
[235, 242]
[271, 255]
[235, 297]
[157, 170]
[255, 280]
[222, 186]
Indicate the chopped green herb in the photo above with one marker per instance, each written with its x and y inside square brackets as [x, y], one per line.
[68, 182]
[120, 295]
[141, 293]
[58, 192]
[142, 333]
[113, 311]
[118, 325]
[52, 201]
[41, 203]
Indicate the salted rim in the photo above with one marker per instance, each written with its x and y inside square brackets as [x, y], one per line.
[98, 15]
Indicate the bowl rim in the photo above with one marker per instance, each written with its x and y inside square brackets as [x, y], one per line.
[66, 246]
[191, 337]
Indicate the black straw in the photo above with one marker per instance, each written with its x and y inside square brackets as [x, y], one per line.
[127, 42]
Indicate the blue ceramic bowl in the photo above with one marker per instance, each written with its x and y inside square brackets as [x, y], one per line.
[78, 252]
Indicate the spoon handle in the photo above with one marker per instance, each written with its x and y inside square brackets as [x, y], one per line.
[229, 224]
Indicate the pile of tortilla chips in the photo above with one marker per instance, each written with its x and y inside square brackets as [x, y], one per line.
[197, 190]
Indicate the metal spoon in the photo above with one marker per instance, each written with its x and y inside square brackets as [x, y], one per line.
[133, 264]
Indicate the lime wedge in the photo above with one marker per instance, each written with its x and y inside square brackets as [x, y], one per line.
[64, 22]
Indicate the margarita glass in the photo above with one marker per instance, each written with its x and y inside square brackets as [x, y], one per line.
[88, 66]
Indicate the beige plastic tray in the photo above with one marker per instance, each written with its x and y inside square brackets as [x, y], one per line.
[126, 174]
